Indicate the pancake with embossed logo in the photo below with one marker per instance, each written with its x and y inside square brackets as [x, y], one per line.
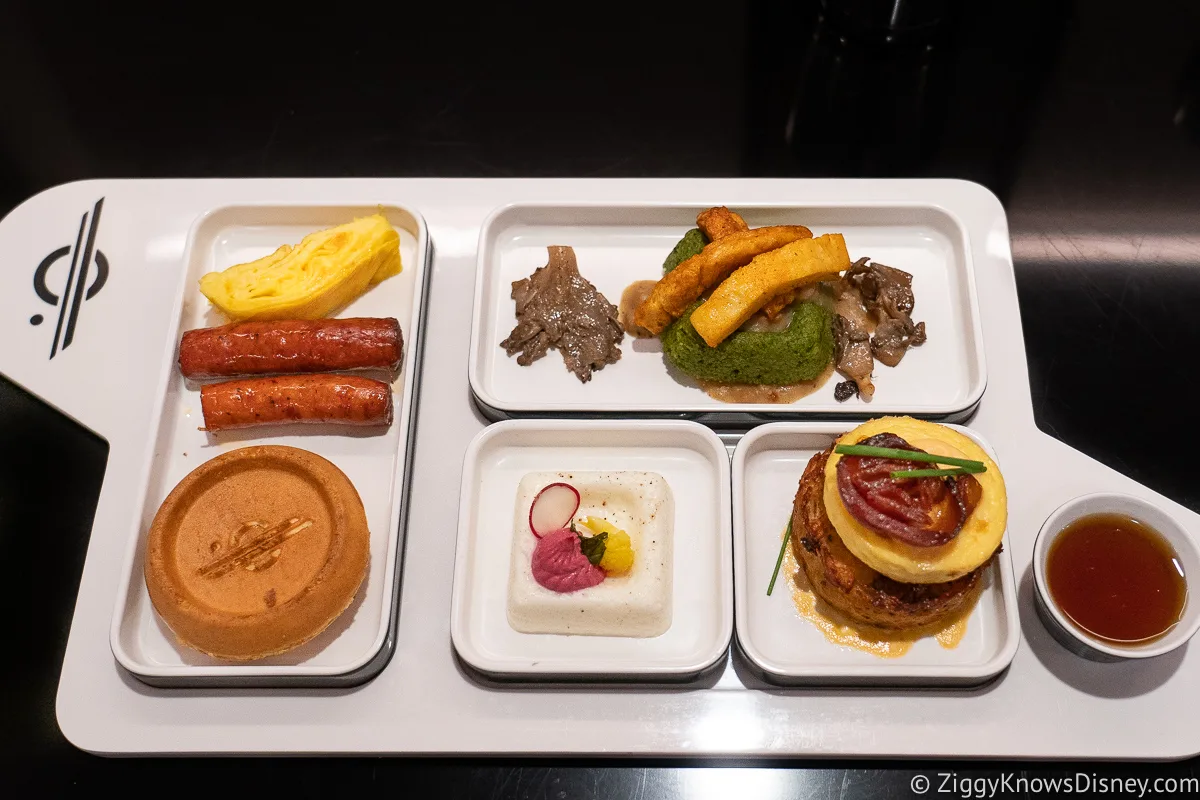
[256, 551]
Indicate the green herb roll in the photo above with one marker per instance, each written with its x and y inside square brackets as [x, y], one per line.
[798, 353]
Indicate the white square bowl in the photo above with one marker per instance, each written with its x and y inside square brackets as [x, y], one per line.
[787, 649]
[694, 463]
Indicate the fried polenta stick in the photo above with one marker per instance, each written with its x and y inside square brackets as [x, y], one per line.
[778, 304]
[682, 285]
[719, 222]
[767, 275]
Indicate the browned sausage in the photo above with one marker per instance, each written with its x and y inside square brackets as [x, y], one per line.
[289, 346]
[343, 399]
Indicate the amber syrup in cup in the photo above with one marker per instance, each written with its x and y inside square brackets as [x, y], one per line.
[1116, 578]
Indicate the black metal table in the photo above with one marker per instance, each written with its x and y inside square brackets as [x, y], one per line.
[1083, 118]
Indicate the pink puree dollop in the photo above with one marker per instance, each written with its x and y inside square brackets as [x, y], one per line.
[560, 565]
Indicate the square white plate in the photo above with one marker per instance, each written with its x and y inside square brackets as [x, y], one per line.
[616, 245]
[355, 646]
[694, 463]
[788, 649]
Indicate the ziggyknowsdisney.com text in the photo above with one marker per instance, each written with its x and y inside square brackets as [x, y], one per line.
[951, 783]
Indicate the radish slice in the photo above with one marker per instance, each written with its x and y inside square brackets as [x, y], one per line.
[553, 508]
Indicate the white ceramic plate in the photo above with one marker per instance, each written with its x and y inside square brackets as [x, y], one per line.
[694, 463]
[354, 647]
[616, 245]
[788, 649]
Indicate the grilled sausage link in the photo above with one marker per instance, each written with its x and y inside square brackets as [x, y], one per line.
[342, 399]
[289, 346]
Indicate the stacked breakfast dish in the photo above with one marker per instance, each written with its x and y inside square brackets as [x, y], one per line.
[893, 528]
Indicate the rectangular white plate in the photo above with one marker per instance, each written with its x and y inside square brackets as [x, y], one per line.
[616, 245]
[356, 645]
[788, 649]
[694, 463]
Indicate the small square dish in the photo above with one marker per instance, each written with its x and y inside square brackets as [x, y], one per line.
[529, 606]
[787, 648]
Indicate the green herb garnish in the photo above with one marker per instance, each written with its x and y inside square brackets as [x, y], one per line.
[779, 561]
[966, 464]
[929, 473]
[593, 547]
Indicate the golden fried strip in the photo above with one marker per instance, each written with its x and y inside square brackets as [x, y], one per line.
[682, 285]
[778, 304]
[719, 222]
[767, 275]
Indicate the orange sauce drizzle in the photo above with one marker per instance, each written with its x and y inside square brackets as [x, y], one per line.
[879, 642]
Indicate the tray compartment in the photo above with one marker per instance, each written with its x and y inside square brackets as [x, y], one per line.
[618, 244]
[358, 643]
[694, 463]
[785, 648]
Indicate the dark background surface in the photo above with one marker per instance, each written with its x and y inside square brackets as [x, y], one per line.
[1084, 118]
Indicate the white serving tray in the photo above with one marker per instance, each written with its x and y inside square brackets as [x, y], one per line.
[1049, 704]
[789, 650]
[694, 463]
[617, 244]
[357, 645]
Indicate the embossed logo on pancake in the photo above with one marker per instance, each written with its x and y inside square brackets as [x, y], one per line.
[75, 288]
[253, 547]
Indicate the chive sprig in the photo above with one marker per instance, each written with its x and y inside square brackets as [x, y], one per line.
[929, 473]
[779, 561]
[965, 464]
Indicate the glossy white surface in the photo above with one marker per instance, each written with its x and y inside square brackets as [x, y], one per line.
[767, 466]
[693, 462]
[1148, 514]
[1048, 704]
[373, 459]
[616, 245]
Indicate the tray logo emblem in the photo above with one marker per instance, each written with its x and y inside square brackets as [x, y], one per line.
[75, 289]
[254, 547]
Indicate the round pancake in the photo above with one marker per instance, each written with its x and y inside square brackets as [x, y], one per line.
[256, 551]
[975, 543]
[843, 581]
